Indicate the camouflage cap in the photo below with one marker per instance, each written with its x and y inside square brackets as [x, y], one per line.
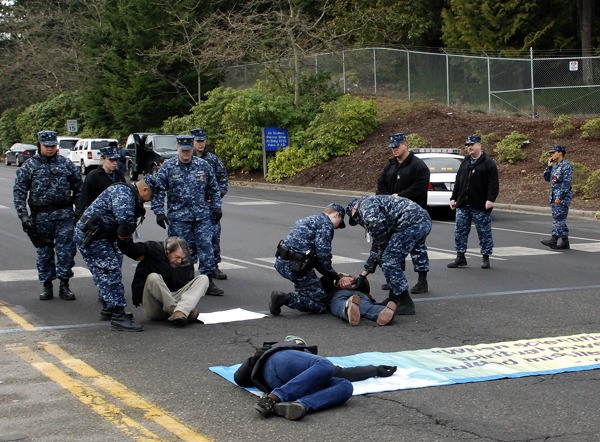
[396, 139]
[152, 183]
[185, 142]
[48, 137]
[473, 139]
[295, 338]
[199, 134]
[341, 211]
[349, 208]
[558, 148]
[110, 152]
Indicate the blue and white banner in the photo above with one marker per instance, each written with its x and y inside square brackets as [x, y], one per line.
[469, 363]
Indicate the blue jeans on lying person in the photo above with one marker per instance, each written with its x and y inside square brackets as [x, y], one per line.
[306, 378]
[368, 309]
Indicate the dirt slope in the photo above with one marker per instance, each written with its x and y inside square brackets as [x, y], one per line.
[521, 183]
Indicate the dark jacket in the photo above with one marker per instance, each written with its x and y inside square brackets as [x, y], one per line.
[476, 184]
[154, 261]
[250, 372]
[409, 179]
[96, 182]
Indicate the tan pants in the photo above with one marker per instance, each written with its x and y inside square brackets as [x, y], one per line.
[159, 302]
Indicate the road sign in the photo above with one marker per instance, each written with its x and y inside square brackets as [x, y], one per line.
[275, 138]
[72, 126]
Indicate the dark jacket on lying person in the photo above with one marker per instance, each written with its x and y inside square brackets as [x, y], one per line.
[250, 372]
[153, 259]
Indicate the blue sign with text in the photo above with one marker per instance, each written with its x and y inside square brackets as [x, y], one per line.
[275, 138]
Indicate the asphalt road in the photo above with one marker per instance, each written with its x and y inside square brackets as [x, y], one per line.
[65, 376]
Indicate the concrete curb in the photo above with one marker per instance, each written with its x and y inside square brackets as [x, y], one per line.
[350, 193]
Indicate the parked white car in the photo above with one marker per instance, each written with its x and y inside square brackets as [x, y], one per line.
[66, 144]
[86, 155]
[443, 165]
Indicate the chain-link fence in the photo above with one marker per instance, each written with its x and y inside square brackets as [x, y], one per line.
[531, 86]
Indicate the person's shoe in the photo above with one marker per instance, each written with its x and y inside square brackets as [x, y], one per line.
[193, 316]
[178, 318]
[459, 261]
[385, 287]
[278, 300]
[550, 242]
[485, 263]
[387, 314]
[563, 244]
[124, 322]
[64, 292]
[106, 314]
[404, 304]
[290, 410]
[47, 294]
[213, 290]
[265, 406]
[421, 285]
[219, 274]
[352, 310]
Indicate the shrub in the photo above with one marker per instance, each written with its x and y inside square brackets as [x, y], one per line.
[563, 125]
[591, 129]
[510, 149]
[288, 162]
[581, 174]
[416, 141]
[490, 138]
[591, 189]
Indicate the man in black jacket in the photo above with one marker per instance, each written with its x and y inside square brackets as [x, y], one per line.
[296, 380]
[408, 176]
[164, 281]
[475, 190]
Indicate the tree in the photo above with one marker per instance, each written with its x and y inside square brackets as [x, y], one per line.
[493, 25]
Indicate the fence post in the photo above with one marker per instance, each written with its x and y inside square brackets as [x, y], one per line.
[489, 84]
[344, 71]
[532, 85]
[408, 75]
[375, 71]
[447, 81]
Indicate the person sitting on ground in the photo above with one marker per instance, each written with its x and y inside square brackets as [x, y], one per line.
[298, 381]
[355, 302]
[164, 282]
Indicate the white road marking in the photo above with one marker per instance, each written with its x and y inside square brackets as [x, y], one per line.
[587, 247]
[3, 207]
[229, 266]
[32, 275]
[521, 251]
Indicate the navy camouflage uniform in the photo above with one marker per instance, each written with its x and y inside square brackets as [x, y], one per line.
[223, 182]
[188, 187]
[560, 176]
[118, 208]
[476, 182]
[397, 226]
[50, 187]
[311, 236]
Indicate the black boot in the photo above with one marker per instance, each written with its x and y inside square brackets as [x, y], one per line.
[485, 263]
[122, 321]
[64, 292]
[278, 300]
[459, 261]
[47, 293]
[404, 303]
[550, 242]
[563, 244]
[421, 285]
[219, 274]
[213, 290]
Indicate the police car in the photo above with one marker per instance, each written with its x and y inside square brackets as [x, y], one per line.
[443, 165]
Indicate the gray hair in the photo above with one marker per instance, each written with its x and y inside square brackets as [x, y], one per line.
[173, 243]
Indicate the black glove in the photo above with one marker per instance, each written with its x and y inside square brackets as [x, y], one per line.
[27, 223]
[384, 371]
[359, 281]
[162, 221]
[217, 214]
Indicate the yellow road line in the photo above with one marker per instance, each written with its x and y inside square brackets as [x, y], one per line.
[16, 318]
[87, 396]
[116, 389]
